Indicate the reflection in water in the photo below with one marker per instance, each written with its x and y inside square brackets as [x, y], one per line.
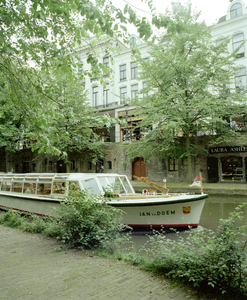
[216, 207]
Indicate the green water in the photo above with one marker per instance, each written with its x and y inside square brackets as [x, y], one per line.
[218, 207]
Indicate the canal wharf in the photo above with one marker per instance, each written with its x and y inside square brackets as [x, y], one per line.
[34, 267]
[226, 188]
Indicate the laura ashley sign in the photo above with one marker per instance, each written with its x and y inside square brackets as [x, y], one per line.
[233, 149]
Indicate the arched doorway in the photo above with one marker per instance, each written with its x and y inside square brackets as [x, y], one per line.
[139, 167]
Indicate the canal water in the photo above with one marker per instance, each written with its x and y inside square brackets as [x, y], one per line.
[216, 207]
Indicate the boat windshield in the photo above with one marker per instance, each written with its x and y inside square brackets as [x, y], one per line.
[91, 186]
[126, 185]
[115, 184]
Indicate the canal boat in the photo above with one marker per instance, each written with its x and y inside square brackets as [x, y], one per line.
[38, 193]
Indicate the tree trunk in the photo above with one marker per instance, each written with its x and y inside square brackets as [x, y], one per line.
[188, 156]
[67, 167]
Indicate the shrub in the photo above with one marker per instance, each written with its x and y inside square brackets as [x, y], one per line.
[11, 218]
[215, 260]
[87, 221]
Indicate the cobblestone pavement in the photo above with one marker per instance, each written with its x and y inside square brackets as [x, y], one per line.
[31, 267]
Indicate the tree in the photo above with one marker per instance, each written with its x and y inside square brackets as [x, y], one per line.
[34, 35]
[12, 124]
[71, 129]
[187, 88]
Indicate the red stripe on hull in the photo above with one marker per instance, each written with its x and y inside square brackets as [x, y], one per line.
[163, 225]
[24, 211]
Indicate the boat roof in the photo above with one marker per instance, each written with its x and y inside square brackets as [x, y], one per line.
[56, 176]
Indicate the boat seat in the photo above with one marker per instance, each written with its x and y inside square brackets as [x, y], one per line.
[17, 189]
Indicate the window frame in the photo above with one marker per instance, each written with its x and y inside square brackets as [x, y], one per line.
[123, 98]
[134, 91]
[123, 72]
[106, 63]
[237, 11]
[172, 164]
[95, 95]
[134, 70]
[133, 41]
[240, 74]
[106, 94]
[236, 44]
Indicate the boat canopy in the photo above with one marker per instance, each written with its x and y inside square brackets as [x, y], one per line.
[54, 183]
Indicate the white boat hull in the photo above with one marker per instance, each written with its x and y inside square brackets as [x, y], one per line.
[30, 205]
[175, 213]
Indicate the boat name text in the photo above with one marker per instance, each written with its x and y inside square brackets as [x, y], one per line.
[158, 213]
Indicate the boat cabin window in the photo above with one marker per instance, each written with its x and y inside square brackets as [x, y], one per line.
[17, 187]
[44, 188]
[6, 186]
[91, 186]
[29, 188]
[74, 186]
[59, 187]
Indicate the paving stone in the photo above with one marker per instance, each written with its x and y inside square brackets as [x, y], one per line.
[31, 267]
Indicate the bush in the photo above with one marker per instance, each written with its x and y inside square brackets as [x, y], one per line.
[87, 221]
[11, 218]
[207, 259]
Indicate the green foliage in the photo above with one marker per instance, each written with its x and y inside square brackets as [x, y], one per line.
[30, 223]
[35, 39]
[11, 219]
[208, 260]
[186, 87]
[87, 221]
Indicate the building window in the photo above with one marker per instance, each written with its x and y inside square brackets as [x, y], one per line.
[123, 95]
[106, 94]
[89, 165]
[134, 70]
[134, 91]
[123, 73]
[132, 42]
[109, 165]
[240, 80]
[236, 10]
[237, 40]
[95, 95]
[232, 168]
[172, 164]
[106, 63]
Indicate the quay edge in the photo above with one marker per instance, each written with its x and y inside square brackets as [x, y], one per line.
[191, 190]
